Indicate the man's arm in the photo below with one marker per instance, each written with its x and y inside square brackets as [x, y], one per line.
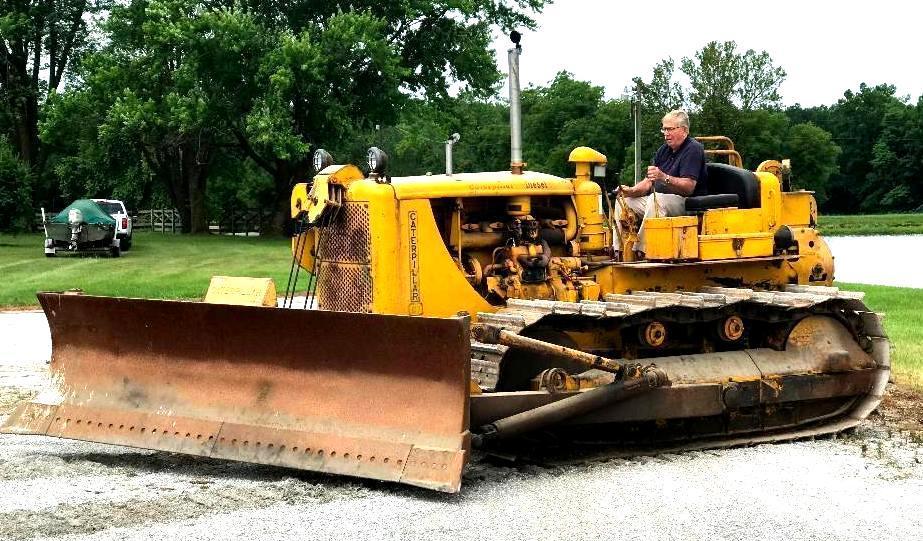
[639, 189]
[683, 186]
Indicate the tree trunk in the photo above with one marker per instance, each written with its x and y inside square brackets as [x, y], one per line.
[184, 169]
[281, 179]
[176, 188]
[285, 176]
[198, 215]
[285, 173]
[23, 104]
[196, 158]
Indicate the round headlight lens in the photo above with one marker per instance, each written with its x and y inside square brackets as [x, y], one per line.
[322, 159]
[377, 160]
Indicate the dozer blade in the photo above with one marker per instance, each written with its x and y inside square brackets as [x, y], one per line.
[375, 396]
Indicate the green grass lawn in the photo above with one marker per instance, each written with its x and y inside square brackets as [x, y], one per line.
[158, 266]
[871, 224]
[904, 325]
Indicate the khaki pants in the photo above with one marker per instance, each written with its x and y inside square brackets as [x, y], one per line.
[668, 204]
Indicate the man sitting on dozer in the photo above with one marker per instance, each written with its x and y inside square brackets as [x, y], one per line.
[678, 172]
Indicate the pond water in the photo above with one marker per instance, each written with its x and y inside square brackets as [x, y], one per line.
[880, 260]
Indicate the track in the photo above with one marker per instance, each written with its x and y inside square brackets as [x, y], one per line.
[776, 311]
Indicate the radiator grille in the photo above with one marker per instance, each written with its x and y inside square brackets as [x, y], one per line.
[347, 239]
[344, 266]
[345, 288]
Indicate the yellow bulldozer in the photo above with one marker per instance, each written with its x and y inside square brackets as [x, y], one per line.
[493, 309]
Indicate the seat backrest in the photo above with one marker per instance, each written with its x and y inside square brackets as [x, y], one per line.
[723, 178]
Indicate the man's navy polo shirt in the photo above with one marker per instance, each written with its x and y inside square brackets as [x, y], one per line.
[688, 161]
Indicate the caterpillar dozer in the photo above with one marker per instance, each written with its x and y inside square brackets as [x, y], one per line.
[491, 310]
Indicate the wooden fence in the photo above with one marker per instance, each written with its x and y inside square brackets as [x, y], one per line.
[242, 222]
[238, 221]
[160, 220]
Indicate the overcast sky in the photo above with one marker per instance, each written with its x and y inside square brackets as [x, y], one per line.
[825, 47]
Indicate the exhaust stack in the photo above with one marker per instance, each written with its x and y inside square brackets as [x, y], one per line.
[450, 142]
[516, 163]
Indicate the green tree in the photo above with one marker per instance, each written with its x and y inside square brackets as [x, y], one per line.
[39, 43]
[485, 130]
[888, 187]
[424, 126]
[726, 91]
[15, 179]
[820, 115]
[663, 92]
[608, 130]
[558, 117]
[185, 79]
[237, 183]
[82, 162]
[714, 74]
[857, 122]
[343, 72]
[894, 182]
[758, 87]
[723, 81]
[814, 157]
[720, 76]
[139, 121]
[762, 134]
[546, 114]
[312, 91]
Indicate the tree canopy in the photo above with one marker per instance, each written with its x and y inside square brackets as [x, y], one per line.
[200, 104]
[39, 42]
[185, 83]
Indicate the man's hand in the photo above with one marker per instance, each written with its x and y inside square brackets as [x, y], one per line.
[641, 188]
[654, 173]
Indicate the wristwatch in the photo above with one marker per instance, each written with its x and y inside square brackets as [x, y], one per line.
[667, 179]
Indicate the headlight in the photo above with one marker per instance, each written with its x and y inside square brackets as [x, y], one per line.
[377, 160]
[322, 159]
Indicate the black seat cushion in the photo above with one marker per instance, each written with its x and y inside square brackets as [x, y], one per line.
[723, 178]
[705, 202]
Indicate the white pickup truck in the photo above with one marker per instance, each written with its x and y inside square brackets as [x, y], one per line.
[117, 210]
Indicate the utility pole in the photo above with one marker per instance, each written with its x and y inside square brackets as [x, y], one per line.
[636, 118]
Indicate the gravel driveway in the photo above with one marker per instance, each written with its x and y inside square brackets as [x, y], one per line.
[868, 484]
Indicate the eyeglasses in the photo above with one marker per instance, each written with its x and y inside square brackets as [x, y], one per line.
[669, 129]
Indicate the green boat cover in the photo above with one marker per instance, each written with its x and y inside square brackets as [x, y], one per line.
[92, 213]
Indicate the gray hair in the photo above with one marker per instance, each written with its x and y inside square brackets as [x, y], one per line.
[679, 116]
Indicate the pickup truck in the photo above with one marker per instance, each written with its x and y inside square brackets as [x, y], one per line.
[116, 209]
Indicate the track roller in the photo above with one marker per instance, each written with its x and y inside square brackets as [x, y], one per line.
[731, 329]
[654, 334]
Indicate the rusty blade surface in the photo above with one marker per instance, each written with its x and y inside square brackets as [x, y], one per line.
[382, 397]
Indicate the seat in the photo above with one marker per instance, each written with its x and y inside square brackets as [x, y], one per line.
[728, 186]
[717, 201]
